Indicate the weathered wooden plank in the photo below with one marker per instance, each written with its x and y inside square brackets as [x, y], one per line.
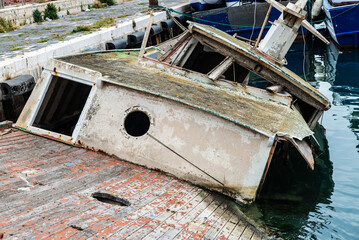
[210, 222]
[153, 224]
[141, 201]
[87, 219]
[79, 203]
[149, 212]
[247, 234]
[152, 214]
[19, 213]
[228, 228]
[237, 231]
[216, 228]
[183, 229]
[162, 206]
[104, 227]
[63, 207]
[257, 236]
[169, 223]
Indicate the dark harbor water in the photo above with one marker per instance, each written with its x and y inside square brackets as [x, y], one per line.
[297, 203]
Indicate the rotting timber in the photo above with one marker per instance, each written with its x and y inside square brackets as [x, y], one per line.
[170, 110]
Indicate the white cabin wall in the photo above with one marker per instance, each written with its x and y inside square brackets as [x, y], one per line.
[234, 155]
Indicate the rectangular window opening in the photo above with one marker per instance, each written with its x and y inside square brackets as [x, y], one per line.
[62, 106]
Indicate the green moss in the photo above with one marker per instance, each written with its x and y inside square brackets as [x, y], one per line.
[123, 15]
[106, 22]
[15, 48]
[6, 26]
[43, 40]
[82, 28]
[61, 37]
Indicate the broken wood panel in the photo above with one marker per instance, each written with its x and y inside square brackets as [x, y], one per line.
[229, 46]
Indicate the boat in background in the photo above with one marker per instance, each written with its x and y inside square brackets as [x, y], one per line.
[342, 21]
[200, 5]
[243, 18]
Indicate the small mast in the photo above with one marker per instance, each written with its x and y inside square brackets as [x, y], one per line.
[284, 30]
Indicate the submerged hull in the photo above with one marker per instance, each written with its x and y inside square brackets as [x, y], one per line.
[342, 24]
[186, 138]
[214, 133]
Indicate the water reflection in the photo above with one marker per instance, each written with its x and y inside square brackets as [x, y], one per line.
[297, 203]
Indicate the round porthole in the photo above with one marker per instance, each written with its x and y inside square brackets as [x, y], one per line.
[137, 123]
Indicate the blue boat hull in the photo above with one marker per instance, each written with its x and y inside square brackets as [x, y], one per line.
[240, 20]
[344, 29]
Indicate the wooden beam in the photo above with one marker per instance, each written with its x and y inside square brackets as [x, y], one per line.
[264, 70]
[179, 43]
[147, 34]
[274, 89]
[218, 71]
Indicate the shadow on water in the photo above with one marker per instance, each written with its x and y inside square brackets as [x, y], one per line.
[292, 191]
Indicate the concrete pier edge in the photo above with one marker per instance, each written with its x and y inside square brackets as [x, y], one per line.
[32, 62]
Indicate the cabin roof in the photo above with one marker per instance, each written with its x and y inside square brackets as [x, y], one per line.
[258, 63]
[265, 116]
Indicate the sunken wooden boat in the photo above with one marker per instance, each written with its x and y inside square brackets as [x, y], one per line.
[186, 107]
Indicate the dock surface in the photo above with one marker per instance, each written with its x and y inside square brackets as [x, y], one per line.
[46, 192]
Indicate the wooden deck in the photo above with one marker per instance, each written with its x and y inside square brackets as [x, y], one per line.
[46, 192]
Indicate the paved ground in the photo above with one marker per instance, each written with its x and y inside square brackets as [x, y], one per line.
[35, 36]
